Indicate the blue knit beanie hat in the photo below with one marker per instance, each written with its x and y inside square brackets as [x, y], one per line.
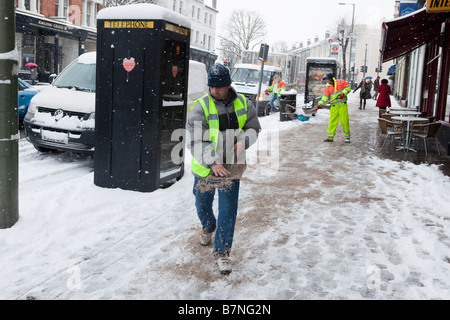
[218, 76]
[329, 76]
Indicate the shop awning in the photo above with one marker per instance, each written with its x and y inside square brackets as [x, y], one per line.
[391, 70]
[402, 35]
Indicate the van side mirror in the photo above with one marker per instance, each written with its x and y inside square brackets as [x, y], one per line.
[52, 77]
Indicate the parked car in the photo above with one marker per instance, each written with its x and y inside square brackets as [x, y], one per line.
[26, 91]
[62, 117]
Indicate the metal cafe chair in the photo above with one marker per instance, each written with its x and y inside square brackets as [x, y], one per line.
[427, 131]
[388, 129]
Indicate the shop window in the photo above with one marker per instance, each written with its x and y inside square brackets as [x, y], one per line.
[28, 48]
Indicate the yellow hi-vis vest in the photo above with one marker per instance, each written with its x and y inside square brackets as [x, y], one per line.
[212, 118]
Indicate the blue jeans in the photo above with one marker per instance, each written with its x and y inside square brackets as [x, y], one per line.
[275, 97]
[204, 191]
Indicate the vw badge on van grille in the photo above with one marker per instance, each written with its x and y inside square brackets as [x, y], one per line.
[59, 114]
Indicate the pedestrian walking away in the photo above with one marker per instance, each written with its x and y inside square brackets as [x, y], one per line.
[278, 85]
[384, 100]
[222, 125]
[335, 93]
[376, 84]
[364, 94]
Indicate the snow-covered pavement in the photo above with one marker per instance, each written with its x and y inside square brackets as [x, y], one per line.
[316, 221]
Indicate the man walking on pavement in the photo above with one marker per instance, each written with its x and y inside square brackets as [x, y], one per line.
[335, 94]
[222, 124]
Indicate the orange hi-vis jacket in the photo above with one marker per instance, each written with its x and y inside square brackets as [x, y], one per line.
[332, 92]
[278, 88]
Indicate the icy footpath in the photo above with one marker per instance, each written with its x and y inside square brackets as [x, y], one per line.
[316, 221]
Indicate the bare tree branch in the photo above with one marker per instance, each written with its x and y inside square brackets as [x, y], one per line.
[243, 31]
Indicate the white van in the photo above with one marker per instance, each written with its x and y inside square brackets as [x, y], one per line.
[245, 80]
[62, 117]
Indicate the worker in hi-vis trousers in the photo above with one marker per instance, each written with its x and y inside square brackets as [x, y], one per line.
[335, 94]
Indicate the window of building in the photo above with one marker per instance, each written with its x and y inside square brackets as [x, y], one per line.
[88, 13]
[193, 12]
[210, 19]
[174, 8]
[57, 5]
[206, 17]
[32, 5]
[66, 9]
[204, 40]
[198, 14]
[181, 7]
[209, 42]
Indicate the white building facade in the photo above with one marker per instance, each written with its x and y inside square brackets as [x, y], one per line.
[203, 20]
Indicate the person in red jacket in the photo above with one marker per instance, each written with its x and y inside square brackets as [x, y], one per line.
[383, 101]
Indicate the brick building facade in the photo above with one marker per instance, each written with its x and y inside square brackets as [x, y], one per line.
[52, 33]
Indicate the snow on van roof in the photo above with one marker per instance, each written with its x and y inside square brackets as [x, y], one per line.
[145, 11]
[88, 58]
[256, 66]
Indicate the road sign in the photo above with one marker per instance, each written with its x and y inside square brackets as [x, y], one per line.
[438, 5]
[334, 48]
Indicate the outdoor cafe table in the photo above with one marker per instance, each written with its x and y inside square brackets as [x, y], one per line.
[408, 120]
[405, 113]
[401, 109]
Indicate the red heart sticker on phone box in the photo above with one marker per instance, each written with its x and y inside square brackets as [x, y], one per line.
[129, 64]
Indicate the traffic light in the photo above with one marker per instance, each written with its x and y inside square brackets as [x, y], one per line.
[352, 69]
[263, 52]
[363, 68]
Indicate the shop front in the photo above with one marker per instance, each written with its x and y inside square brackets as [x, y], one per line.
[50, 44]
[420, 44]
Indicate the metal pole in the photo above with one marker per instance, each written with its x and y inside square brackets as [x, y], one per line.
[259, 87]
[351, 43]
[365, 63]
[9, 119]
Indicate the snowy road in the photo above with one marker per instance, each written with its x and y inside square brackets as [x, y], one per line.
[328, 221]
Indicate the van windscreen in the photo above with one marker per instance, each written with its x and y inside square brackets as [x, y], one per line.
[249, 75]
[80, 76]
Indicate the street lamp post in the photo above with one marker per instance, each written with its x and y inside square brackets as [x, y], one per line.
[351, 39]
